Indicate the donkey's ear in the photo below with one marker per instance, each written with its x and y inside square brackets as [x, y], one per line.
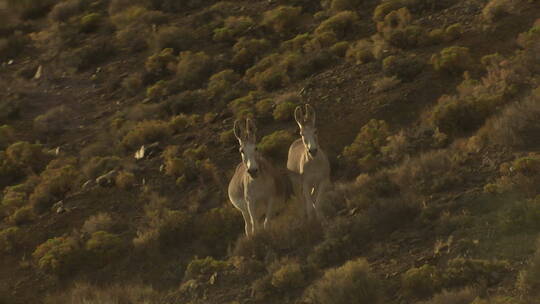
[237, 130]
[310, 115]
[299, 116]
[251, 129]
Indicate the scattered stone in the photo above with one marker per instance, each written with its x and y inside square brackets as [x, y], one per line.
[162, 168]
[106, 180]
[10, 62]
[39, 72]
[88, 184]
[147, 151]
[213, 278]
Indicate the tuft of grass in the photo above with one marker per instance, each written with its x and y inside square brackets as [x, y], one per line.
[59, 255]
[420, 282]
[341, 24]
[233, 28]
[351, 283]
[453, 60]
[365, 151]
[99, 222]
[385, 84]
[146, 132]
[282, 19]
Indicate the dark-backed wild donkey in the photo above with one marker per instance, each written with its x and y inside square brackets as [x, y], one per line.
[256, 187]
[308, 165]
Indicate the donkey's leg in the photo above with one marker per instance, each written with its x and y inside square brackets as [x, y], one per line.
[308, 199]
[247, 221]
[297, 191]
[256, 223]
[269, 212]
[318, 195]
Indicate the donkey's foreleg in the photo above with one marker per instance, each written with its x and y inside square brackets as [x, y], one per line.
[307, 190]
[319, 191]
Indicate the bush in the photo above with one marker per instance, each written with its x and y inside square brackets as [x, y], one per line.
[350, 283]
[23, 215]
[161, 64]
[496, 9]
[227, 225]
[366, 147]
[282, 19]
[9, 239]
[360, 52]
[205, 267]
[99, 222]
[343, 5]
[59, 255]
[461, 272]
[384, 84]
[54, 121]
[420, 282]
[146, 132]
[180, 123]
[54, 184]
[285, 105]
[104, 247]
[13, 45]
[405, 68]
[90, 22]
[246, 51]
[63, 11]
[386, 7]
[454, 60]
[177, 38]
[454, 116]
[92, 54]
[341, 24]
[125, 180]
[221, 85]
[193, 69]
[288, 275]
[276, 144]
[98, 166]
[233, 28]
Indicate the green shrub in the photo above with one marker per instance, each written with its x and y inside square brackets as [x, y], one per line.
[343, 5]
[23, 215]
[193, 69]
[496, 9]
[276, 144]
[244, 106]
[462, 272]
[221, 85]
[233, 28]
[54, 184]
[104, 247]
[285, 106]
[9, 239]
[161, 64]
[454, 59]
[177, 38]
[340, 49]
[296, 44]
[59, 255]
[454, 116]
[360, 52]
[365, 150]
[420, 282]
[90, 22]
[146, 132]
[25, 155]
[350, 283]
[99, 222]
[180, 123]
[228, 226]
[341, 24]
[13, 45]
[269, 73]
[386, 7]
[288, 275]
[63, 11]
[454, 31]
[205, 267]
[89, 55]
[159, 90]
[98, 165]
[54, 121]
[246, 51]
[406, 68]
[282, 19]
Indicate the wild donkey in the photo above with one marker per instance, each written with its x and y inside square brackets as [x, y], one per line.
[256, 188]
[308, 166]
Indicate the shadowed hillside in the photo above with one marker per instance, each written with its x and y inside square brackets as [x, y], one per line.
[117, 146]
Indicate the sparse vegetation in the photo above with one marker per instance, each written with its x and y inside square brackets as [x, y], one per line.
[366, 148]
[453, 60]
[59, 255]
[276, 144]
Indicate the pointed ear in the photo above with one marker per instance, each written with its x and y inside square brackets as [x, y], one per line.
[310, 115]
[251, 130]
[299, 116]
[237, 130]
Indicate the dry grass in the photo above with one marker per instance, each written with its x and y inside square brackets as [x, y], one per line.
[99, 222]
[384, 84]
[115, 294]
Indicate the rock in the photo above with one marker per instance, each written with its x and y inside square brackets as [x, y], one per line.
[106, 180]
[213, 278]
[88, 184]
[147, 151]
[60, 210]
[139, 154]
[162, 168]
[39, 72]
[59, 207]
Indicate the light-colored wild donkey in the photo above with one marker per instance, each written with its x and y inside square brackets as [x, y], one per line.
[307, 164]
[256, 187]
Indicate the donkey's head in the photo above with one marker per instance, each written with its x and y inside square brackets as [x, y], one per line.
[245, 132]
[305, 117]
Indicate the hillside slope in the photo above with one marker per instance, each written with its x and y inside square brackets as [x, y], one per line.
[429, 112]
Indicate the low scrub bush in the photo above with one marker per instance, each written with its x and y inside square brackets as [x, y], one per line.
[205, 267]
[496, 9]
[244, 107]
[461, 272]
[360, 52]
[276, 144]
[90, 55]
[365, 151]
[453, 60]
[104, 247]
[520, 216]
[125, 180]
[227, 225]
[99, 222]
[23, 215]
[341, 24]
[7, 136]
[384, 84]
[59, 255]
[528, 281]
[180, 123]
[193, 69]
[65, 10]
[351, 283]
[221, 86]
[54, 121]
[461, 296]
[288, 276]
[282, 19]
[397, 30]
[420, 282]
[13, 45]
[233, 28]
[30, 9]
[54, 184]
[285, 105]
[404, 67]
[97, 166]
[341, 5]
[177, 38]
[520, 176]
[162, 64]
[146, 132]
[247, 51]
